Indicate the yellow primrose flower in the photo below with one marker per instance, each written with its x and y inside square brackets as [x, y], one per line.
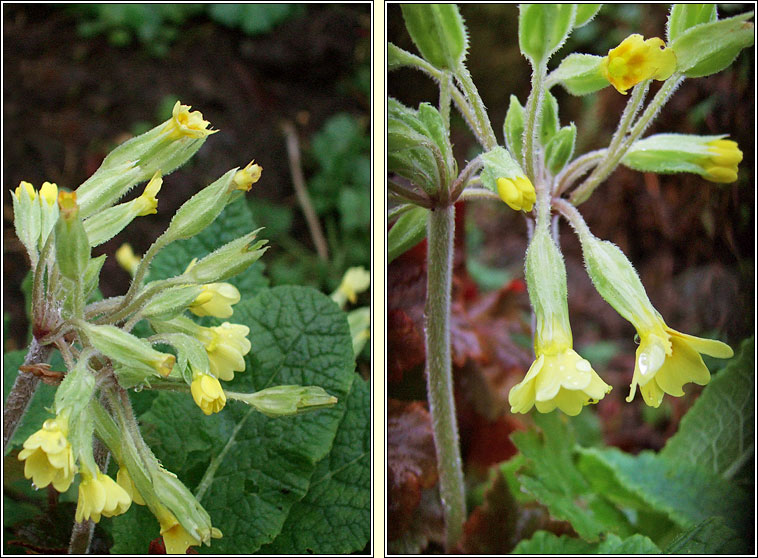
[100, 495]
[216, 300]
[355, 281]
[147, 203]
[517, 192]
[207, 393]
[49, 193]
[184, 123]
[226, 346]
[176, 539]
[636, 60]
[245, 178]
[721, 166]
[559, 377]
[25, 186]
[48, 455]
[667, 359]
[124, 479]
[127, 259]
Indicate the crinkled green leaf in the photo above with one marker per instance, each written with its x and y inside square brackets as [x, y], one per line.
[718, 432]
[544, 542]
[552, 477]
[334, 516]
[712, 536]
[234, 221]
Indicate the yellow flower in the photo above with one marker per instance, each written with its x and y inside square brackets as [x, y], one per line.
[125, 481]
[216, 300]
[48, 455]
[558, 378]
[184, 123]
[667, 359]
[226, 346]
[245, 178]
[517, 192]
[147, 203]
[49, 193]
[25, 186]
[127, 259]
[721, 166]
[355, 281]
[207, 393]
[636, 60]
[100, 495]
[175, 537]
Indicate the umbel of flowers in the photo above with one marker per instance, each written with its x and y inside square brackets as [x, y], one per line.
[104, 358]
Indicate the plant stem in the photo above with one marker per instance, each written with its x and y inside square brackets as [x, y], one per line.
[22, 391]
[482, 126]
[531, 129]
[445, 99]
[440, 231]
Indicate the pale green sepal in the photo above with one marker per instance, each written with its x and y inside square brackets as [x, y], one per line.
[192, 358]
[683, 16]
[580, 74]
[617, 282]
[670, 153]
[229, 260]
[438, 32]
[549, 121]
[543, 28]
[201, 209]
[169, 303]
[179, 324]
[498, 163]
[408, 230]
[72, 249]
[279, 401]
[513, 128]
[560, 149]
[72, 398]
[107, 186]
[106, 224]
[359, 321]
[585, 13]
[172, 493]
[125, 348]
[92, 274]
[432, 120]
[546, 281]
[49, 214]
[27, 221]
[711, 47]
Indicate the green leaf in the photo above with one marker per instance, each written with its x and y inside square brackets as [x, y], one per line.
[585, 13]
[549, 120]
[712, 536]
[552, 477]
[438, 32]
[687, 493]
[718, 432]
[234, 221]
[334, 516]
[542, 29]
[683, 16]
[513, 128]
[559, 150]
[544, 542]
[408, 230]
[708, 48]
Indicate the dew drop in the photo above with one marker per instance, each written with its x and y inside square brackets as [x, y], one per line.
[138, 389]
[643, 363]
[583, 365]
[637, 338]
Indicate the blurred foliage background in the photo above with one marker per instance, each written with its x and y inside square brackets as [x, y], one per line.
[80, 79]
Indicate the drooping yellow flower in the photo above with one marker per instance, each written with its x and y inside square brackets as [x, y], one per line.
[226, 346]
[636, 60]
[721, 166]
[667, 359]
[245, 178]
[355, 281]
[184, 123]
[124, 479]
[216, 299]
[48, 455]
[517, 192]
[176, 539]
[100, 495]
[207, 393]
[127, 259]
[147, 203]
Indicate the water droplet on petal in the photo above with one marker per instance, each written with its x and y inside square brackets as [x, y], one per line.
[643, 364]
[637, 338]
[583, 365]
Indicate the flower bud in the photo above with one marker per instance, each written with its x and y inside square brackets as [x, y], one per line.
[245, 178]
[183, 505]
[503, 175]
[27, 218]
[72, 250]
[127, 259]
[279, 401]
[171, 302]
[227, 261]
[128, 350]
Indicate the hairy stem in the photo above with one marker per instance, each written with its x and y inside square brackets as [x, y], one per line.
[531, 128]
[22, 391]
[485, 134]
[441, 229]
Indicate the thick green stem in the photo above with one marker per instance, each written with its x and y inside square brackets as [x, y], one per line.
[441, 229]
[445, 99]
[531, 128]
[481, 124]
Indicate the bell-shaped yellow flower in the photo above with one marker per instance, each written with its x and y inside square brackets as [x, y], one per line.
[48, 455]
[245, 178]
[636, 60]
[184, 123]
[207, 393]
[667, 359]
[127, 259]
[100, 495]
[124, 479]
[721, 166]
[355, 281]
[216, 300]
[147, 203]
[176, 539]
[226, 346]
[517, 192]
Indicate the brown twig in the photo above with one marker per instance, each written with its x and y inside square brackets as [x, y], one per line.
[293, 153]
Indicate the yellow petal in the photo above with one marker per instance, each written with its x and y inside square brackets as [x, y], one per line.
[710, 347]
